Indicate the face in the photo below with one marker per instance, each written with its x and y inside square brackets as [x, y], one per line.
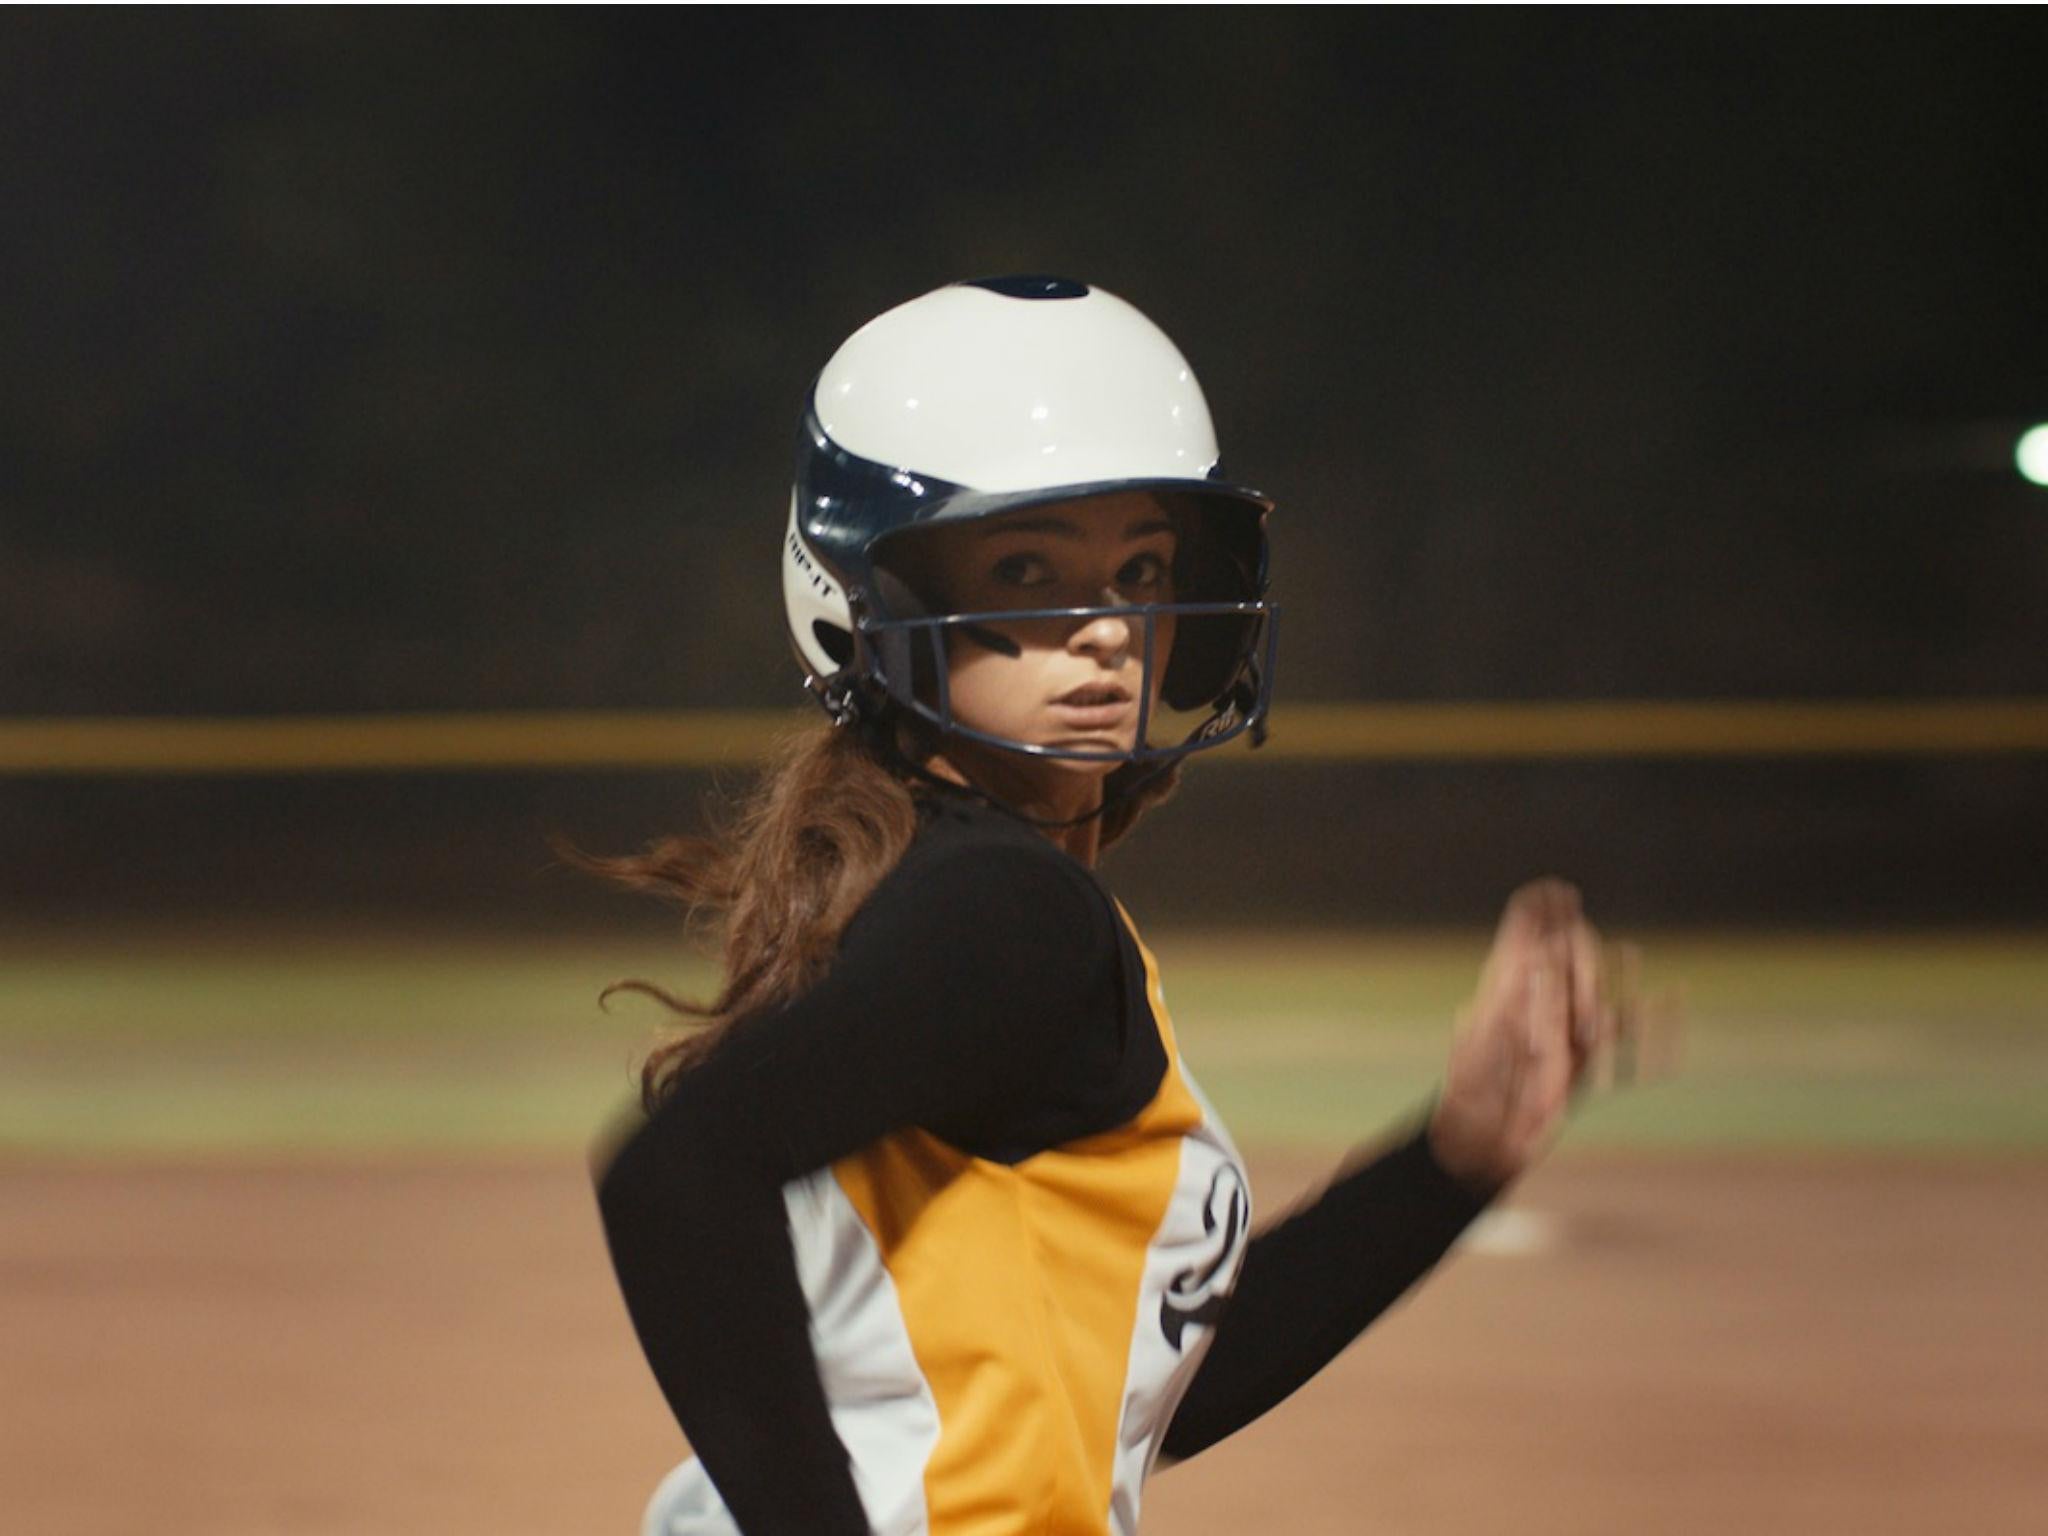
[1073, 682]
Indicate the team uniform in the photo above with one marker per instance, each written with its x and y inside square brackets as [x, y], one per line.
[953, 1243]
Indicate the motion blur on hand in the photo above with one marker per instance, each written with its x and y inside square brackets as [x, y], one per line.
[1555, 1011]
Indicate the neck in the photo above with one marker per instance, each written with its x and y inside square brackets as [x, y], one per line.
[1041, 791]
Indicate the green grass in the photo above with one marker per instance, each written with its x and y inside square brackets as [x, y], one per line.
[1788, 1041]
[154, 1043]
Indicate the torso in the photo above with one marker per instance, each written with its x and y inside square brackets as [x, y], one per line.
[1003, 1333]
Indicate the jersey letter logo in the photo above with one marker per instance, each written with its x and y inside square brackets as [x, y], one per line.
[1194, 1296]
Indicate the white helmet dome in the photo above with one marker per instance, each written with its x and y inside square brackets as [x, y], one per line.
[985, 397]
[1011, 388]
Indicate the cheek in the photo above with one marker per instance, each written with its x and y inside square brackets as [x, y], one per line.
[987, 690]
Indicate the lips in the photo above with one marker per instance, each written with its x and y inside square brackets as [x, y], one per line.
[1095, 694]
[1095, 706]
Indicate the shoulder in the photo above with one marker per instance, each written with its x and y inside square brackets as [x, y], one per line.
[949, 823]
[972, 862]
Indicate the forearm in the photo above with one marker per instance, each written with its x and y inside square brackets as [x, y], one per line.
[708, 1271]
[1313, 1281]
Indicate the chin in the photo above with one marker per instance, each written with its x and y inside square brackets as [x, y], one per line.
[1087, 767]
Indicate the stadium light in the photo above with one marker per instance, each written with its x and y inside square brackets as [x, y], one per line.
[2031, 454]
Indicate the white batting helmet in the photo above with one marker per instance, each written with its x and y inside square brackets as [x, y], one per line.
[993, 395]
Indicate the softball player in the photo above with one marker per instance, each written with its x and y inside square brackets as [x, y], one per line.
[929, 1228]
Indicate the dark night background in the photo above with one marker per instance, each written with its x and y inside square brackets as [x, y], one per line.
[416, 361]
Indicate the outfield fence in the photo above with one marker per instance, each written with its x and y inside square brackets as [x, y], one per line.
[705, 738]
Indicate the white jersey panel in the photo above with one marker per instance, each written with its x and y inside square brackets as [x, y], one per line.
[881, 1405]
[1190, 1270]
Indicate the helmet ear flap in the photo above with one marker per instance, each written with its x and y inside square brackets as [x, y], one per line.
[1218, 558]
[815, 605]
[1208, 653]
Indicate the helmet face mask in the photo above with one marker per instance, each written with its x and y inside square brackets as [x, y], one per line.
[1182, 608]
[920, 651]
[978, 401]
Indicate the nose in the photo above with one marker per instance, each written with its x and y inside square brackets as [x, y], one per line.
[1106, 636]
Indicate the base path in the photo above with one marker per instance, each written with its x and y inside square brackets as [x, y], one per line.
[1687, 1344]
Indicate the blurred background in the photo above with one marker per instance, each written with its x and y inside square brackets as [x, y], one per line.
[433, 377]
[403, 363]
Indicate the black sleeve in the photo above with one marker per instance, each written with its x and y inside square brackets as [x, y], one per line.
[954, 995]
[1312, 1281]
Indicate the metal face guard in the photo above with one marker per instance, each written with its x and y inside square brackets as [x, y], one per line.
[1241, 705]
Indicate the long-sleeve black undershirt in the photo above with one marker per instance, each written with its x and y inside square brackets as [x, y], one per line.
[984, 993]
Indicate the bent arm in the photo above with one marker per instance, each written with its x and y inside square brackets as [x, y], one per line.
[1313, 1281]
[948, 997]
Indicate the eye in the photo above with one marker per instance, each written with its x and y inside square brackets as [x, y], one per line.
[1023, 570]
[1146, 570]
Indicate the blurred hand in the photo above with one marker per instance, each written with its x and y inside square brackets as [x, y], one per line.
[1550, 1005]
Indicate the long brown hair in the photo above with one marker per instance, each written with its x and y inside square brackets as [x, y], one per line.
[781, 875]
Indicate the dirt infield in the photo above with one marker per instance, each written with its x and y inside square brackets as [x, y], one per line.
[1693, 1345]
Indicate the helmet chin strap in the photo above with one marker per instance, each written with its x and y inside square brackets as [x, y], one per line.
[881, 734]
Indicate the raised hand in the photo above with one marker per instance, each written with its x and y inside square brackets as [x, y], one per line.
[1549, 1006]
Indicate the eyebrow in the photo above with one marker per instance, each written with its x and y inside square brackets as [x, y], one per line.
[1064, 528]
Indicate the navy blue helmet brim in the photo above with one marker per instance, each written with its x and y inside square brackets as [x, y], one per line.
[965, 505]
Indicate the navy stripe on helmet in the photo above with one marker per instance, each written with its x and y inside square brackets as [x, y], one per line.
[847, 501]
[1034, 285]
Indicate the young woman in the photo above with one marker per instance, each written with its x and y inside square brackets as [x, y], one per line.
[928, 1228]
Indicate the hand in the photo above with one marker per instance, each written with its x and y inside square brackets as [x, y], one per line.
[1543, 1013]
